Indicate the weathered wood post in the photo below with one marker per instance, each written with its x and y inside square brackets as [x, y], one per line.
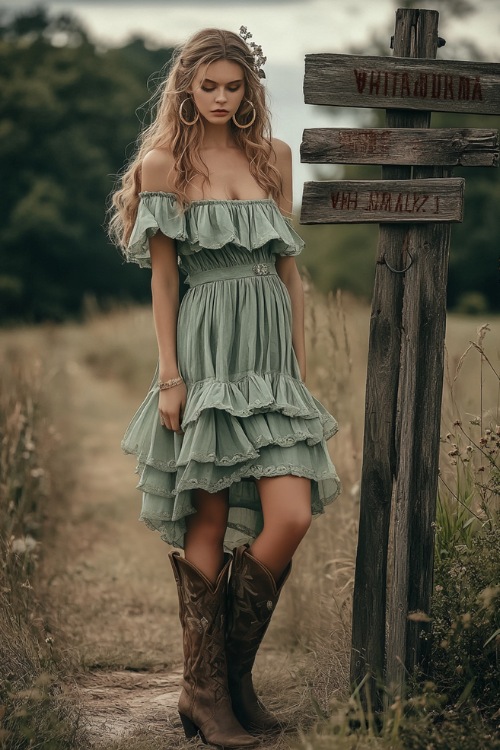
[415, 36]
[405, 371]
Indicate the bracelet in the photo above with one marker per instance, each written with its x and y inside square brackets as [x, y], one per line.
[169, 383]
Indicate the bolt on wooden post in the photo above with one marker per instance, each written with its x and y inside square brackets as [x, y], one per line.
[414, 204]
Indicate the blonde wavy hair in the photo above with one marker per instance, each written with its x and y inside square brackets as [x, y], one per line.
[167, 131]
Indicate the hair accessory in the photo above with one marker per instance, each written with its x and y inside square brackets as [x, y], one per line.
[247, 125]
[259, 58]
[182, 119]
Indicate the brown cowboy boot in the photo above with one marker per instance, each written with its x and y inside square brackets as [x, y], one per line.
[252, 597]
[204, 702]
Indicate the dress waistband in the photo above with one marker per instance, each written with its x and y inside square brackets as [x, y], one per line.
[231, 272]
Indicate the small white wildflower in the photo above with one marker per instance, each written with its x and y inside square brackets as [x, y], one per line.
[23, 545]
[18, 546]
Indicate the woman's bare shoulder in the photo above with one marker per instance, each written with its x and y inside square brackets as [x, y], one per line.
[281, 155]
[156, 170]
[281, 148]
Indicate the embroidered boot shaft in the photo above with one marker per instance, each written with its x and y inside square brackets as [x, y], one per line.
[252, 598]
[204, 703]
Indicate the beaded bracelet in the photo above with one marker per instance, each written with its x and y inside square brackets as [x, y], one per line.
[169, 383]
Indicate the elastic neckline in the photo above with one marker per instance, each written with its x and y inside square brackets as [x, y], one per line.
[211, 200]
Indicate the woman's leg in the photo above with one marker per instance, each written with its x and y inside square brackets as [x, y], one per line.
[259, 574]
[286, 505]
[203, 541]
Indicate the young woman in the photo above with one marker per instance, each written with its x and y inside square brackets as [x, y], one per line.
[230, 443]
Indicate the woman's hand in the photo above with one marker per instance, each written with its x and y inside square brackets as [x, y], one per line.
[171, 407]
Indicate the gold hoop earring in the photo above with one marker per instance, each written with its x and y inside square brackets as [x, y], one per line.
[186, 122]
[242, 127]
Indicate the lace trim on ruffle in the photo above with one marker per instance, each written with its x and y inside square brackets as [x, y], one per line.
[257, 471]
[237, 377]
[229, 397]
[155, 463]
[287, 409]
[199, 391]
[286, 441]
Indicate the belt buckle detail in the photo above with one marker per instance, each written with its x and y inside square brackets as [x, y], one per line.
[261, 269]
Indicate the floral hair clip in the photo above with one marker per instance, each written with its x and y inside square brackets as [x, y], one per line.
[259, 58]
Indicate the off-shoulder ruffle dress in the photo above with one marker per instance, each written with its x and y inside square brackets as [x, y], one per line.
[247, 414]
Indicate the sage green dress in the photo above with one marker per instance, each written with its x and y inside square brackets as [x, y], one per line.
[247, 414]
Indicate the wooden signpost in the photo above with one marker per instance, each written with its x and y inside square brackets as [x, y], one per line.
[465, 147]
[415, 202]
[395, 82]
[347, 201]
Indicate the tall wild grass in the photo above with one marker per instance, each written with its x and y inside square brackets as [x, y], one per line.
[313, 622]
[32, 482]
[458, 707]
[455, 710]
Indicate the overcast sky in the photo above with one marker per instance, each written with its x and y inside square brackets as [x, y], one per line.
[287, 30]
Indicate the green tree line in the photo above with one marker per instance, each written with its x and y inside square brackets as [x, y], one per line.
[70, 112]
[69, 115]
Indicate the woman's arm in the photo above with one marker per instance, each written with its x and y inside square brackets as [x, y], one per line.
[165, 294]
[165, 274]
[286, 266]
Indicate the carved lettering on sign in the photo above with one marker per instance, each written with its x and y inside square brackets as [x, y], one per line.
[346, 200]
[365, 142]
[418, 85]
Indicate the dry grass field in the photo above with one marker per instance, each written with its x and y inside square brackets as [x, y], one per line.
[109, 598]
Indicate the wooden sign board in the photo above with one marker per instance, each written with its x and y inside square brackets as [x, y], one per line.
[385, 201]
[466, 147]
[402, 83]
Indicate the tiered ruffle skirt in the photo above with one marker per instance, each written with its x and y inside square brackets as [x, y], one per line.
[248, 414]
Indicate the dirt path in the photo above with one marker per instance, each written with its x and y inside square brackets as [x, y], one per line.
[114, 598]
[118, 704]
[112, 592]
[113, 601]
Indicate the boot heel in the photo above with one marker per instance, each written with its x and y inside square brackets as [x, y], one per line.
[190, 729]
